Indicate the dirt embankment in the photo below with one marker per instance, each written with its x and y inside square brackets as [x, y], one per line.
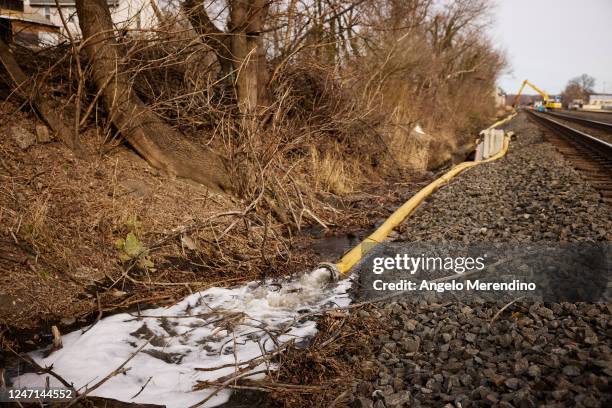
[80, 237]
[62, 217]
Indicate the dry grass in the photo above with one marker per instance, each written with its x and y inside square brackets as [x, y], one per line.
[330, 173]
[321, 374]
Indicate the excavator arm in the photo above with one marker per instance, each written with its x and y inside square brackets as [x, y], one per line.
[535, 88]
[518, 95]
[538, 90]
[547, 101]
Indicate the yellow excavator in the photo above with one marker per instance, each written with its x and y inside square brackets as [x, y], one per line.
[548, 102]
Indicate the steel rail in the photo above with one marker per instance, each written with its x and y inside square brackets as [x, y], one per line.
[591, 156]
[593, 124]
[597, 146]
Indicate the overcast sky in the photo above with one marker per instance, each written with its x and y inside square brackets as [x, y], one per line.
[551, 41]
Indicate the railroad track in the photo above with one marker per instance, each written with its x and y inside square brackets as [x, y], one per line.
[588, 154]
[590, 123]
[600, 112]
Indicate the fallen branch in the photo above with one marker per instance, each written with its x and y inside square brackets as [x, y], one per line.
[117, 371]
[142, 388]
[504, 308]
[98, 317]
[225, 385]
[41, 369]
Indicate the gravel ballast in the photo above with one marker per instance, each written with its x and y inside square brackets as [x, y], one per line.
[482, 354]
[532, 194]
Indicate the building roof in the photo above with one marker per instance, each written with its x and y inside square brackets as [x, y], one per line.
[16, 5]
[68, 3]
[26, 17]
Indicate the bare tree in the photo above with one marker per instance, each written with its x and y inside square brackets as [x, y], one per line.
[580, 87]
[302, 60]
[158, 143]
[585, 82]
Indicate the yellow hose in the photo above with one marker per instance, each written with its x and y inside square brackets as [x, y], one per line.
[502, 121]
[354, 255]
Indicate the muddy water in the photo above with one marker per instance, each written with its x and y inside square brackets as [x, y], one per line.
[330, 247]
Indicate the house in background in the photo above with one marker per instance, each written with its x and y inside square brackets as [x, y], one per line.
[601, 101]
[500, 98]
[126, 14]
[23, 28]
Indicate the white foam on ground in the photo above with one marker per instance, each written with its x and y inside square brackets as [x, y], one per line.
[198, 332]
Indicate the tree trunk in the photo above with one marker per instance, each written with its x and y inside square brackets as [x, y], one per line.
[212, 36]
[244, 51]
[263, 74]
[240, 51]
[163, 147]
[245, 26]
[46, 109]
